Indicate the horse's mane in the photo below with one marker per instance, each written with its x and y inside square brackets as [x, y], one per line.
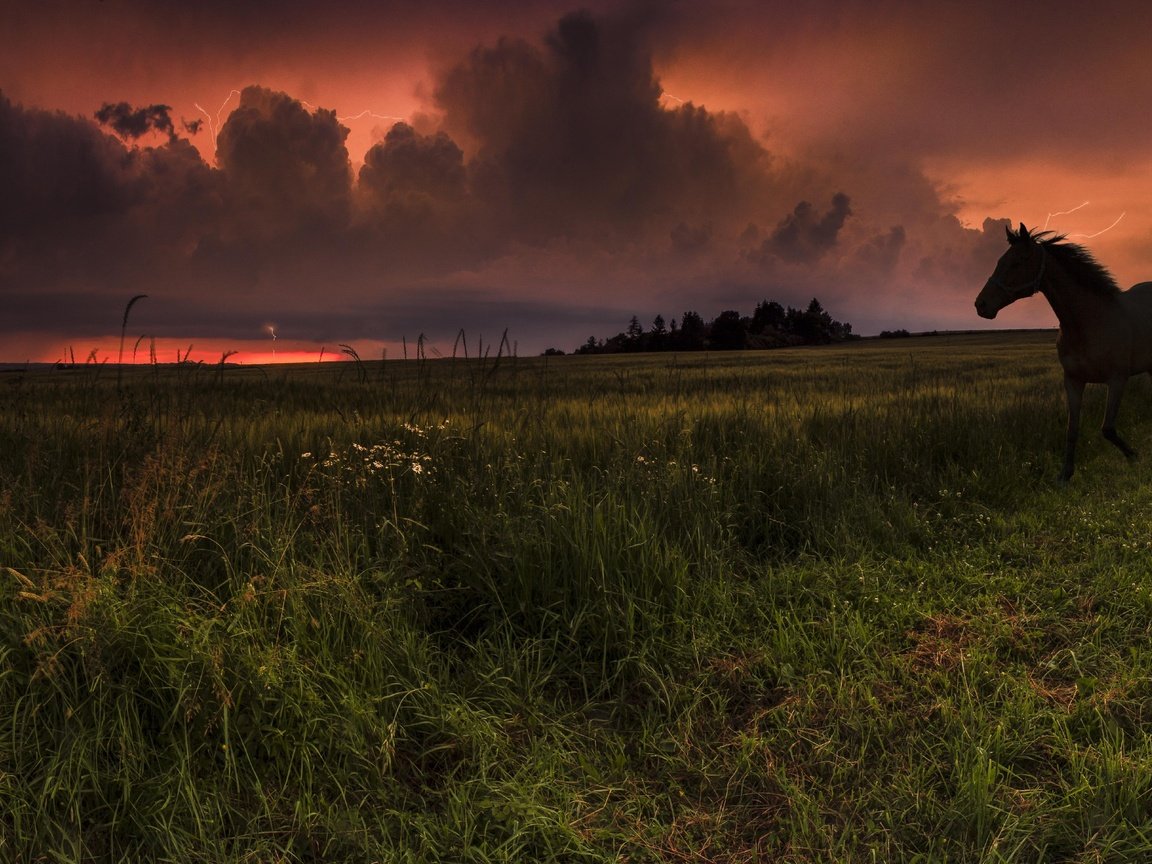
[1081, 265]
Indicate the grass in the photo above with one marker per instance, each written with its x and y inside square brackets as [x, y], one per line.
[807, 605]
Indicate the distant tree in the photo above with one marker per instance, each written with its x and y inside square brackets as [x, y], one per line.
[658, 335]
[813, 325]
[553, 352]
[768, 317]
[589, 347]
[728, 332]
[691, 335]
[617, 344]
[770, 325]
[634, 335]
[842, 331]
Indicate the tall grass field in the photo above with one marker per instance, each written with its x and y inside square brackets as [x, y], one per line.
[807, 605]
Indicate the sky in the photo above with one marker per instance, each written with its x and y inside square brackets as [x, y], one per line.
[303, 177]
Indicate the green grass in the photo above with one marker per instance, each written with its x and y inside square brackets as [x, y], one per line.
[803, 606]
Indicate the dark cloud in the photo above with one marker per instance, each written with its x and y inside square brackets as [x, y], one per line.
[570, 138]
[804, 236]
[441, 311]
[408, 163]
[129, 122]
[882, 252]
[967, 257]
[57, 172]
[414, 204]
[545, 169]
[287, 169]
[688, 239]
[78, 209]
[978, 80]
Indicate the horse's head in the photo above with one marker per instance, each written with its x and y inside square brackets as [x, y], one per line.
[1018, 273]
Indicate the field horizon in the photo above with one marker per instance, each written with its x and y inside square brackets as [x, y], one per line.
[342, 357]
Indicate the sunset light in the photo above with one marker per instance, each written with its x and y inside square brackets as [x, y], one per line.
[209, 352]
[545, 170]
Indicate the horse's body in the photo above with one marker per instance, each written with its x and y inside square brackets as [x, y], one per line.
[1105, 333]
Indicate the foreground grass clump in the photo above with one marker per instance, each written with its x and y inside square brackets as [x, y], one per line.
[808, 605]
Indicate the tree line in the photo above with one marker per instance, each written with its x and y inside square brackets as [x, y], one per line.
[769, 326]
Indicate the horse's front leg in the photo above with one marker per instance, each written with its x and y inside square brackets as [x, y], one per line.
[1108, 430]
[1074, 390]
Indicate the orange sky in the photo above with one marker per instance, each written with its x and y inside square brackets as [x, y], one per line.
[577, 195]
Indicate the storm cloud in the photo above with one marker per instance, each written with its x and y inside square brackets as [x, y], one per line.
[407, 163]
[803, 236]
[130, 122]
[286, 169]
[882, 252]
[571, 139]
[546, 174]
[414, 204]
[57, 172]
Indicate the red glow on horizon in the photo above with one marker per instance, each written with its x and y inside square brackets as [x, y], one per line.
[211, 352]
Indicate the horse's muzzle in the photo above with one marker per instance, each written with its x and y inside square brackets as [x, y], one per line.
[989, 301]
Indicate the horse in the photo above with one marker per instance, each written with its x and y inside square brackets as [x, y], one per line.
[1105, 333]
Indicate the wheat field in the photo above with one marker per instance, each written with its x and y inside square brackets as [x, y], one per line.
[807, 605]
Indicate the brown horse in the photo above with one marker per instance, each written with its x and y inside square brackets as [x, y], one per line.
[1105, 333]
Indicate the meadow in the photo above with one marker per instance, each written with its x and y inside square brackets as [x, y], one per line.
[807, 605]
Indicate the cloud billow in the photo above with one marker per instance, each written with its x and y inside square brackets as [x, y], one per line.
[133, 123]
[414, 206]
[548, 170]
[570, 139]
[882, 252]
[286, 169]
[57, 173]
[805, 237]
[408, 163]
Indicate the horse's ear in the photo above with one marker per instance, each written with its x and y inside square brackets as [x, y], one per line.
[1024, 232]
[1013, 238]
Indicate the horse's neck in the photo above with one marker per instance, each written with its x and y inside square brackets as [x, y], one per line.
[1077, 309]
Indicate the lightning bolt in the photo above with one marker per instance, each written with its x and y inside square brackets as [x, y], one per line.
[1064, 213]
[214, 119]
[1086, 236]
[1102, 230]
[367, 112]
[214, 124]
